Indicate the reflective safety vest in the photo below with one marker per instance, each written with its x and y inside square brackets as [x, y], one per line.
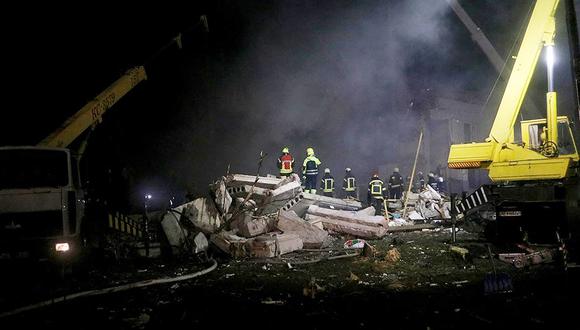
[349, 183]
[327, 183]
[310, 165]
[376, 188]
[285, 163]
[396, 180]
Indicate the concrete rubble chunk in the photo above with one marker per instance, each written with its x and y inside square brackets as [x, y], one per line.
[203, 214]
[176, 235]
[351, 228]
[230, 243]
[430, 194]
[367, 211]
[234, 180]
[200, 243]
[279, 197]
[273, 245]
[250, 226]
[301, 202]
[313, 237]
[350, 216]
[222, 199]
[242, 191]
[291, 178]
[414, 215]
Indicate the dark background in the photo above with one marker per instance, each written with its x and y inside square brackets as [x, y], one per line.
[335, 75]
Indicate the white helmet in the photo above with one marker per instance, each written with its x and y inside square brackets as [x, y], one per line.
[327, 170]
[396, 169]
[431, 175]
[348, 169]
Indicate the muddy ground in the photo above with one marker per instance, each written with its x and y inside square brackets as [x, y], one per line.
[428, 287]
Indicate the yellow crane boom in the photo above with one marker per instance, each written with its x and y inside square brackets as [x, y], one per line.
[91, 114]
[538, 156]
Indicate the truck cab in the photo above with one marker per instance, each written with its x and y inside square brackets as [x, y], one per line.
[41, 204]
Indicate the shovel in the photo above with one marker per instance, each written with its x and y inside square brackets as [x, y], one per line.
[496, 283]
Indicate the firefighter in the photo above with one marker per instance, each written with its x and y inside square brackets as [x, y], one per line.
[440, 185]
[310, 171]
[285, 163]
[432, 181]
[349, 184]
[327, 183]
[395, 184]
[376, 193]
[420, 181]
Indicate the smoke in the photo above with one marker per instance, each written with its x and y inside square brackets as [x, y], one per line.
[336, 76]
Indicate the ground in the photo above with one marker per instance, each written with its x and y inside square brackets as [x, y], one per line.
[428, 287]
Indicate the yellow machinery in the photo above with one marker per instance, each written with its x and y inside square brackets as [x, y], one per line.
[535, 195]
[91, 114]
[547, 150]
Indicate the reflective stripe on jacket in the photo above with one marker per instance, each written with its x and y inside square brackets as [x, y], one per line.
[310, 165]
[376, 187]
[349, 183]
[327, 183]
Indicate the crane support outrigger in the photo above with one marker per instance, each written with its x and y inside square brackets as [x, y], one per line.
[535, 180]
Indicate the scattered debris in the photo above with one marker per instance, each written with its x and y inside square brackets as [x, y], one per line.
[312, 289]
[462, 252]
[393, 255]
[355, 244]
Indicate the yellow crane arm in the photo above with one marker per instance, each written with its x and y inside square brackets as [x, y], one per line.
[540, 32]
[91, 114]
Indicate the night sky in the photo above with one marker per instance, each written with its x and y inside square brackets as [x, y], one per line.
[334, 75]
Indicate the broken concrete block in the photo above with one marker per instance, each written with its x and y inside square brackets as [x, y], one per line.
[414, 215]
[350, 216]
[242, 191]
[176, 235]
[312, 236]
[203, 215]
[230, 243]
[200, 243]
[367, 211]
[268, 246]
[351, 228]
[430, 194]
[300, 203]
[291, 178]
[222, 199]
[234, 180]
[250, 226]
[280, 197]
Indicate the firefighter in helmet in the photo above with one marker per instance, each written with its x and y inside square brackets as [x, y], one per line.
[327, 183]
[376, 193]
[349, 184]
[285, 163]
[310, 171]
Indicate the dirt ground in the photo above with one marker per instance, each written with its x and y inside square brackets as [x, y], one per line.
[411, 280]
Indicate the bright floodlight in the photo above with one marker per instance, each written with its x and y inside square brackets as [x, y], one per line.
[148, 196]
[62, 247]
[550, 56]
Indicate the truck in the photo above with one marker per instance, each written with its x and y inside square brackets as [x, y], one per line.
[42, 200]
[535, 191]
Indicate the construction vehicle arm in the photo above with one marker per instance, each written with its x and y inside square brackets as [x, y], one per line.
[540, 32]
[505, 159]
[91, 114]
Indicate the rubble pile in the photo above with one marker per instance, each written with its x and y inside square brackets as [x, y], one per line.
[423, 207]
[264, 217]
